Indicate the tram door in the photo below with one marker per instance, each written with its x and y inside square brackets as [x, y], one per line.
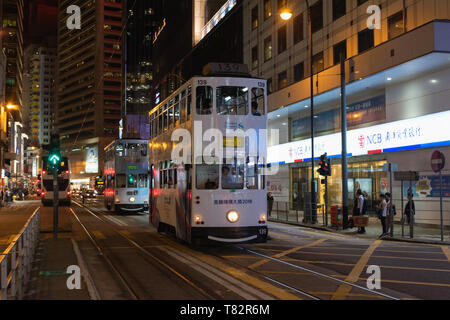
[188, 201]
[151, 190]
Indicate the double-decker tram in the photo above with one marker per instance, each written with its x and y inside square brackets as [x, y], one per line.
[97, 184]
[126, 174]
[46, 191]
[217, 196]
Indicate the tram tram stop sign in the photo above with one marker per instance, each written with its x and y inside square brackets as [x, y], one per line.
[437, 161]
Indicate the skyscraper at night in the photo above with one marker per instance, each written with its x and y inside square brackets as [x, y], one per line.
[89, 83]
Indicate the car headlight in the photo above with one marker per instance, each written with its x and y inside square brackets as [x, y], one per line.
[117, 200]
[132, 199]
[233, 216]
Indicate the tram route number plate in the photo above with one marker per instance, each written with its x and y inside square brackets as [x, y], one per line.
[262, 231]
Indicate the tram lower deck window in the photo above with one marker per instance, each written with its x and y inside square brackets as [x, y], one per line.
[121, 181]
[207, 177]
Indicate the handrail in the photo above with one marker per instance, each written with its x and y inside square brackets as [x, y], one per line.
[16, 260]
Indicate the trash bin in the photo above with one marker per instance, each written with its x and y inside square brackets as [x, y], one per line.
[337, 218]
[361, 221]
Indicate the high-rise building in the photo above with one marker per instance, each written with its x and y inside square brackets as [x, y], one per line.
[397, 75]
[12, 45]
[38, 92]
[141, 21]
[89, 83]
[212, 33]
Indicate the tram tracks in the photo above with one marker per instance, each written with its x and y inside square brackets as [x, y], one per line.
[149, 257]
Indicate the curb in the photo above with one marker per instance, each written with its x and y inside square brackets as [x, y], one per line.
[434, 242]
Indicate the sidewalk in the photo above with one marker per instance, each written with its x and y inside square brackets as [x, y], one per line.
[13, 219]
[53, 257]
[422, 234]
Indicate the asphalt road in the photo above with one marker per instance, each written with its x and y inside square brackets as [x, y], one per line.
[296, 263]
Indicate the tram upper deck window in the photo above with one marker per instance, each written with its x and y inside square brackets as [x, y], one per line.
[207, 176]
[258, 102]
[204, 100]
[121, 181]
[171, 117]
[176, 114]
[233, 176]
[232, 100]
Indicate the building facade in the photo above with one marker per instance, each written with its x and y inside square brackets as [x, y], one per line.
[397, 82]
[89, 83]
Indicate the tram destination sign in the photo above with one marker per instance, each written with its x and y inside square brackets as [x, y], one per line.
[406, 176]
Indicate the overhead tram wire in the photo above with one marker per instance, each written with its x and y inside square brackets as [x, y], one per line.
[102, 76]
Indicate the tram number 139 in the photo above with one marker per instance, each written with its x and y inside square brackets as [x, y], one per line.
[262, 231]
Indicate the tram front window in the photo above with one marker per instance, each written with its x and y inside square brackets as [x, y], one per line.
[232, 100]
[204, 100]
[207, 176]
[232, 176]
[121, 181]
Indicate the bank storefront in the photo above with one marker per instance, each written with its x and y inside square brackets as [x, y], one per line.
[398, 116]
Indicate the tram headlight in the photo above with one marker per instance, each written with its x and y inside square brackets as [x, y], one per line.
[233, 216]
[132, 199]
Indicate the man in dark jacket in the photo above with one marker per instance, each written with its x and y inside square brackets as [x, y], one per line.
[410, 208]
[269, 203]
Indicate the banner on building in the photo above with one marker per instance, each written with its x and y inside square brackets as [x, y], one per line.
[92, 159]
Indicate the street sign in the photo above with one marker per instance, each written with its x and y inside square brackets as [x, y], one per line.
[406, 176]
[437, 161]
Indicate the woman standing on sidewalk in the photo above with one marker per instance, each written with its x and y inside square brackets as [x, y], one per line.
[410, 208]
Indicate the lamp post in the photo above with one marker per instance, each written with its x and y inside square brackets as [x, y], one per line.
[286, 15]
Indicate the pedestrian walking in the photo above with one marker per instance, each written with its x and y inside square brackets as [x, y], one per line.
[382, 213]
[269, 203]
[410, 208]
[390, 211]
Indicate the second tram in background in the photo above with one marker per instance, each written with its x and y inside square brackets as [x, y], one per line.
[223, 201]
[126, 175]
[46, 190]
[97, 184]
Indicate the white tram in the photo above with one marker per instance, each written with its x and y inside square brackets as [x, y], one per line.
[222, 200]
[126, 173]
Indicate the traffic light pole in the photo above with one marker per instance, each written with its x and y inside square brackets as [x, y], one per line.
[55, 202]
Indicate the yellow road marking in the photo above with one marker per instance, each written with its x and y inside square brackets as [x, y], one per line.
[433, 284]
[125, 233]
[384, 257]
[381, 250]
[277, 292]
[351, 265]
[344, 289]
[446, 251]
[98, 235]
[285, 253]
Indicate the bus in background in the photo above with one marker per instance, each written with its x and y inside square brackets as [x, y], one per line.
[222, 201]
[126, 175]
[63, 182]
[97, 184]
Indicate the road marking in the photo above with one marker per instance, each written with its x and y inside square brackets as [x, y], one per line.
[244, 277]
[285, 253]
[345, 289]
[116, 221]
[382, 257]
[98, 235]
[351, 265]
[433, 284]
[446, 251]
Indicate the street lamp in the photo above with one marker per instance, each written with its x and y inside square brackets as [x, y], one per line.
[286, 15]
[12, 107]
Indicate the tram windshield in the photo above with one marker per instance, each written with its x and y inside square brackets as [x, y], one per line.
[232, 100]
[233, 176]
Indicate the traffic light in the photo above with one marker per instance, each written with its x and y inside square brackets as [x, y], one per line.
[324, 166]
[130, 179]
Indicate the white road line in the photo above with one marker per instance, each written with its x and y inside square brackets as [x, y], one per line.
[92, 289]
[218, 276]
[116, 221]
